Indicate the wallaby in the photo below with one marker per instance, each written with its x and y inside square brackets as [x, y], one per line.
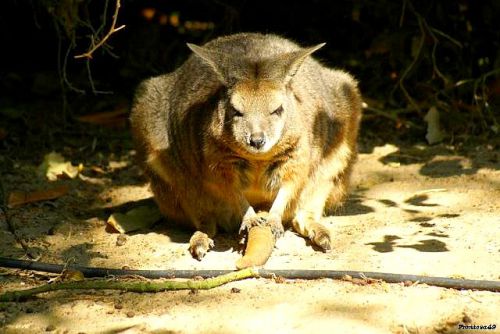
[249, 122]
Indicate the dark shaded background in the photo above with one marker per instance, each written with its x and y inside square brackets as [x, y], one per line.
[443, 53]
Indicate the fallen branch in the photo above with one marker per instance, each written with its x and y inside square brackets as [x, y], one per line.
[103, 40]
[445, 282]
[132, 286]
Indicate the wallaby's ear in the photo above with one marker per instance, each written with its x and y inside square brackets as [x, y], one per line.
[290, 62]
[215, 59]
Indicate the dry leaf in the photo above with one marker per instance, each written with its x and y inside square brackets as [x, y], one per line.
[117, 118]
[53, 166]
[114, 165]
[17, 198]
[97, 169]
[138, 218]
[71, 275]
[434, 134]
[428, 191]
[3, 133]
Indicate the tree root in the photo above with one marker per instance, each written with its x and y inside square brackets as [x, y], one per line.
[260, 244]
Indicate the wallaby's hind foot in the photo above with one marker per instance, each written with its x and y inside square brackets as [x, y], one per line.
[320, 236]
[307, 226]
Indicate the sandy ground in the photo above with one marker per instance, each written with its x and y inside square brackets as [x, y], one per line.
[414, 209]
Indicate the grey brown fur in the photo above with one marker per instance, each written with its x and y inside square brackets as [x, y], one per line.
[249, 122]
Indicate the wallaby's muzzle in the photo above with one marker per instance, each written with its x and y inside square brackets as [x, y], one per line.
[257, 140]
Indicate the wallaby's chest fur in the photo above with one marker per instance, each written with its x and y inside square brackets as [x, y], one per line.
[259, 180]
[249, 122]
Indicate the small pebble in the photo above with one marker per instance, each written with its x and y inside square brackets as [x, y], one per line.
[235, 290]
[466, 319]
[130, 314]
[50, 328]
[281, 279]
[118, 306]
[121, 239]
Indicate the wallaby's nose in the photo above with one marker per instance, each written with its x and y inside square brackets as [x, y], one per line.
[257, 140]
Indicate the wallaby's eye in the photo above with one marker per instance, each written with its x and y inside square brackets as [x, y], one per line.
[278, 111]
[236, 112]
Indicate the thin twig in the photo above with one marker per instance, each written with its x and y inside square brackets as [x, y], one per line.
[484, 96]
[111, 31]
[132, 286]
[4, 208]
[448, 37]
[60, 72]
[65, 73]
[13, 230]
[104, 20]
[435, 40]
[425, 29]
[91, 81]
[392, 115]
[403, 11]
[408, 70]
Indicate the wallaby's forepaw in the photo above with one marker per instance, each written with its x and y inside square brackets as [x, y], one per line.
[260, 219]
[320, 236]
[250, 221]
[200, 244]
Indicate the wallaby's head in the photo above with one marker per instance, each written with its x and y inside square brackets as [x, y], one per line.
[257, 100]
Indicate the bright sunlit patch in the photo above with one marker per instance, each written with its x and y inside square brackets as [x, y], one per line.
[118, 195]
